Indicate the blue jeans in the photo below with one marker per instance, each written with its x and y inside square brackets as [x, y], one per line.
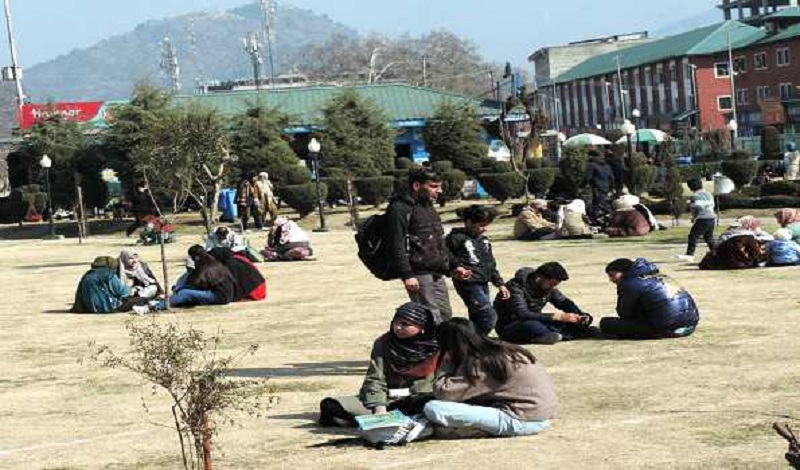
[181, 295]
[524, 332]
[491, 420]
[479, 305]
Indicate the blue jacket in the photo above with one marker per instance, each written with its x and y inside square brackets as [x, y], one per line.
[783, 252]
[102, 291]
[645, 295]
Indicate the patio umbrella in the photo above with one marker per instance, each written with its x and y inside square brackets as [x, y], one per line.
[653, 136]
[582, 140]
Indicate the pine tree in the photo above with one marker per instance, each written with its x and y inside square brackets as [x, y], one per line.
[259, 145]
[454, 134]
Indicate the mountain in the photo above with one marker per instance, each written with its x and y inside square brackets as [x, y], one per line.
[110, 68]
[697, 21]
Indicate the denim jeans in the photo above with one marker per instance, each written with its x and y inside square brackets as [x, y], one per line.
[491, 420]
[479, 305]
[186, 297]
[702, 228]
[525, 332]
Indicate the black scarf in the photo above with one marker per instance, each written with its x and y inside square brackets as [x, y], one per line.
[404, 354]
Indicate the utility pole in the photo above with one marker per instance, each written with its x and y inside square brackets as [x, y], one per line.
[251, 46]
[732, 74]
[424, 70]
[169, 65]
[16, 70]
[269, 11]
[621, 91]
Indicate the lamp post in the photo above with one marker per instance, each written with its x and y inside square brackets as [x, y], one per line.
[733, 126]
[313, 149]
[629, 129]
[560, 139]
[637, 122]
[46, 163]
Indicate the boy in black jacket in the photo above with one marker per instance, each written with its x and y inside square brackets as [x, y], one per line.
[474, 267]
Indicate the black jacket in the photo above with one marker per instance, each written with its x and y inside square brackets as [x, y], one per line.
[645, 295]
[474, 253]
[417, 238]
[599, 174]
[527, 304]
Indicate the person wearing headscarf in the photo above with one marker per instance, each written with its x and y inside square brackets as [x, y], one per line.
[400, 373]
[746, 225]
[144, 282]
[251, 284]
[101, 290]
[287, 242]
[245, 200]
[207, 282]
[743, 245]
[531, 223]
[790, 219]
[626, 221]
[791, 161]
[266, 196]
[224, 237]
[573, 221]
[783, 251]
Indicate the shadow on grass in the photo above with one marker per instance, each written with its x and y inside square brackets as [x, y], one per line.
[58, 311]
[54, 265]
[305, 369]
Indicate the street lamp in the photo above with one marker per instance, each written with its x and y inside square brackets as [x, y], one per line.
[733, 126]
[46, 163]
[313, 149]
[629, 129]
[560, 139]
[636, 115]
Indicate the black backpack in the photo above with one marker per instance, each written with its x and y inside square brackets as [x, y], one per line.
[373, 247]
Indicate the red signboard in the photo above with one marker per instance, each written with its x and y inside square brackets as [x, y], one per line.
[74, 112]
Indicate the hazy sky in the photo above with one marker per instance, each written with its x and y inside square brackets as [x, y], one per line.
[504, 30]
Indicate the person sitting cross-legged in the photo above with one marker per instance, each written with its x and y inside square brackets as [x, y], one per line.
[649, 304]
[520, 317]
[487, 387]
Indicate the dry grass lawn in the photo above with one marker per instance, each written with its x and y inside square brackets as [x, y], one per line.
[702, 402]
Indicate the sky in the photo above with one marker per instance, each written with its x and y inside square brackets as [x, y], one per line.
[503, 30]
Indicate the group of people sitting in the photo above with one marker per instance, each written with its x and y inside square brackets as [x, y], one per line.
[286, 241]
[213, 277]
[543, 220]
[744, 244]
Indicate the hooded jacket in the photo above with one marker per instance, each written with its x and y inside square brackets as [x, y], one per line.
[417, 238]
[525, 303]
[784, 252]
[100, 289]
[646, 295]
[473, 252]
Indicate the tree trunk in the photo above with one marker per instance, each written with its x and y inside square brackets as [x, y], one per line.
[206, 443]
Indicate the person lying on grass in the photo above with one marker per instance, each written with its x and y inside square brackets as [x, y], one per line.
[487, 387]
[400, 373]
[521, 318]
[649, 304]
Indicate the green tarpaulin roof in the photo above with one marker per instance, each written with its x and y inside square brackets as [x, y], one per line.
[400, 102]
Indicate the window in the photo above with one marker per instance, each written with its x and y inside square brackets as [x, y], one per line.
[742, 96]
[721, 70]
[659, 74]
[783, 57]
[673, 73]
[787, 90]
[724, 103]
[760, 61]
[763, 92]
[740, 64]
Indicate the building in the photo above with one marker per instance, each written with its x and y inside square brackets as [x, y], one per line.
[684, 81]
[753, 11]
[550, 62]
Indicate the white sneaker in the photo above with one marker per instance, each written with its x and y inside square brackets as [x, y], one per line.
[141, 309]
[688, 258]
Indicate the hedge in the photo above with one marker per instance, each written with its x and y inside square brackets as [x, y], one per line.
[502, 167]
[375, 190]
[442, 166]
[740, 171]
[776, 202]
[296, 175]
[503, 186]
[453, 183]
[404, 163]
[303, 197]
[780, 188]
[337, 189]
[541, 180]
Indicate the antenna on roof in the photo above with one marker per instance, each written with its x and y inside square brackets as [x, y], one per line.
[169, 65]
[193, 55]
[269, 11]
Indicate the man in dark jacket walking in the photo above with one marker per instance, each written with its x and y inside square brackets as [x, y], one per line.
[601, 179]
[649, 305]
[521, 319]
[416, 243]
[141, 206]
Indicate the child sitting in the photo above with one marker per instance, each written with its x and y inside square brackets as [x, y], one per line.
[474, 266]
[783, 251]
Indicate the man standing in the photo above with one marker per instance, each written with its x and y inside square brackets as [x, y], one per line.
[416, 242]
[601, 178]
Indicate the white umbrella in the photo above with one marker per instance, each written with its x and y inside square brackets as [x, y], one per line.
[583, 140]
[646, 135]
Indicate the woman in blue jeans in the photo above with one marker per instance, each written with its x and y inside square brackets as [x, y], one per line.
[206, 282]
[489, 386]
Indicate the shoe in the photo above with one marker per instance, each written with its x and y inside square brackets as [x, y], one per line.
[141, 309]
[549, 338]
[688, 258]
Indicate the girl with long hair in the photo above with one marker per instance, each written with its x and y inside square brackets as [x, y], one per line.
[489, 386]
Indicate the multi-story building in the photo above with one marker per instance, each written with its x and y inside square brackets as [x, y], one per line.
[686, 79]
[753, 11]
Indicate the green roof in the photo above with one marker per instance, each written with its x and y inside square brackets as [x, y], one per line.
[400, 102]
[789, 33]
[791, 12]
[702, 41]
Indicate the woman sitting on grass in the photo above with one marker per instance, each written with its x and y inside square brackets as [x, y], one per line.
[251, 285]
[101, 290]
[649, 304]
[573, 221]
[743, 245]
[532, 224]
[790, 219]
[207, 282]
[783, 251]
[287, 242]
[627, 221]
[487, 386]
[400, 373]
[144, 282]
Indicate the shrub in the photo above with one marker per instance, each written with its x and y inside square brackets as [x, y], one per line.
[734, 201]
[720, 142]
[541, 180]
[776, 202]
[396, 173]
[337, 189]
[333, 172]
[404, 163]
[302, 197]
[295, 175]
[442, 166]
[692, 171]
[771, 144]
[453, 183]
[740, 155]
[502, 167]
[534, 163]
[487, 162]
[375, 190]
[503, 186]
[740, 171]
[571, 173]
[780, 188]
[645, 177]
